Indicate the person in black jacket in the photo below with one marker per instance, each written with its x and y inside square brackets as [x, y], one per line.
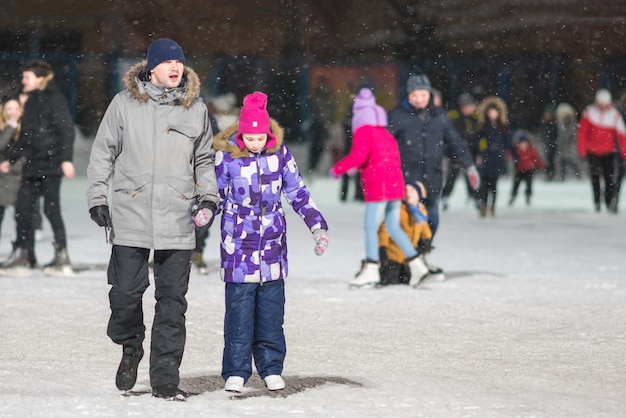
[464, 119]
[45, 144]
[491, 150]
[424, 132]
[202, 234]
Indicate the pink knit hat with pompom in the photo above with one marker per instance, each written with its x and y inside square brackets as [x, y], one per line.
[254, 119]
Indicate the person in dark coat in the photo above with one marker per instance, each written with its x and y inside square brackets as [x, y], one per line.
[10, 118]
[494, 142]
[548, 133]
[46, 146]
[345, 178]
[316, 135]
[464, 119]
[202, 234]
[423, 132]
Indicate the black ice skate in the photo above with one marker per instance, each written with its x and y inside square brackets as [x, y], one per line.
[60, 264]
[169, 392]
[20, 261]
[198, 261]
[127, 372]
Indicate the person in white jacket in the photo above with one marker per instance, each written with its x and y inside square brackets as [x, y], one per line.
[153, 151]
[601, 140]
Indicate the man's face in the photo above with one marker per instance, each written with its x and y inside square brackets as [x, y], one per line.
[419, 98]
[30, 81]
[468, 109]
[168, 73]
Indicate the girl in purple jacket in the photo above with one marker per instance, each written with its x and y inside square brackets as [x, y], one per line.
[375, 152]
[253, 169]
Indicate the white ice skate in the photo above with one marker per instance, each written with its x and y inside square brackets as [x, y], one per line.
[274, 382]
[434, 273]
[419, 271]
[234, 384]
[367, 277]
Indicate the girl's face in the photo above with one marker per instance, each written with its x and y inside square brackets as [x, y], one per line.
[254, 142]
[12, 110]
[493, 114]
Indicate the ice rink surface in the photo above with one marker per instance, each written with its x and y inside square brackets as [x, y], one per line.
[529, 323]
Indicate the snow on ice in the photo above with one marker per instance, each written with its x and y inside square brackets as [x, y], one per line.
[529, 323]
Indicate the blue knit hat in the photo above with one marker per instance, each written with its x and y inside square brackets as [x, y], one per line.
[164, 49]
[419, 186]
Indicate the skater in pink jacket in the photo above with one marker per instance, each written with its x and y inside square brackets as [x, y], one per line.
[375, 152]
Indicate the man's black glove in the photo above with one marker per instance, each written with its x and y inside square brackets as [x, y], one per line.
[203, 214]
[100, 215]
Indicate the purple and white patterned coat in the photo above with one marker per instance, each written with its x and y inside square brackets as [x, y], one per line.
[253, 227]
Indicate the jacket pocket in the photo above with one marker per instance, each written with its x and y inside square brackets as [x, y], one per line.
[182, 195]
[130, 187]
[131, 208]
[190, 131]
[184, 189]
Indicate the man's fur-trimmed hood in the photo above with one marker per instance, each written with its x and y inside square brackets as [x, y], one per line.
[225, 140]
[190, 81]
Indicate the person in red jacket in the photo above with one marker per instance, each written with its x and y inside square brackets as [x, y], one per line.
[602, 141]
[527, 162]
[375, 152]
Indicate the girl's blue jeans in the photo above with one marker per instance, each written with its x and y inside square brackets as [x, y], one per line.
[389, 211]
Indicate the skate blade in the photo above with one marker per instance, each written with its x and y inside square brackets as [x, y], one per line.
[421, 282]
[59, 271]
[15, 271]
[365, 286]
[175, 398]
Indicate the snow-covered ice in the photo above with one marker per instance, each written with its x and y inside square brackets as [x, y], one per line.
[530, 322]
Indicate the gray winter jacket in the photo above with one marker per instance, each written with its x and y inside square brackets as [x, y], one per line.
[153, 154]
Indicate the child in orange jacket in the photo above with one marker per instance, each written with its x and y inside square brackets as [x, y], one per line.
[414, 221]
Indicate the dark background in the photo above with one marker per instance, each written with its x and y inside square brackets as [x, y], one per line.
[531, 53]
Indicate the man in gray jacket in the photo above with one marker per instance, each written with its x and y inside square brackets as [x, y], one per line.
[153, 151]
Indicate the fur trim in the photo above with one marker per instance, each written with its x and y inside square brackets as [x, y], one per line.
[225, 141]
[190, 80]
[497, 102]
[565, 111]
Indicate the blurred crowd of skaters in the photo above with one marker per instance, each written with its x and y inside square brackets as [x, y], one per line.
[566, 143]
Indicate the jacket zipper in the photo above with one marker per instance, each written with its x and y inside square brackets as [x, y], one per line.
[263, 212]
